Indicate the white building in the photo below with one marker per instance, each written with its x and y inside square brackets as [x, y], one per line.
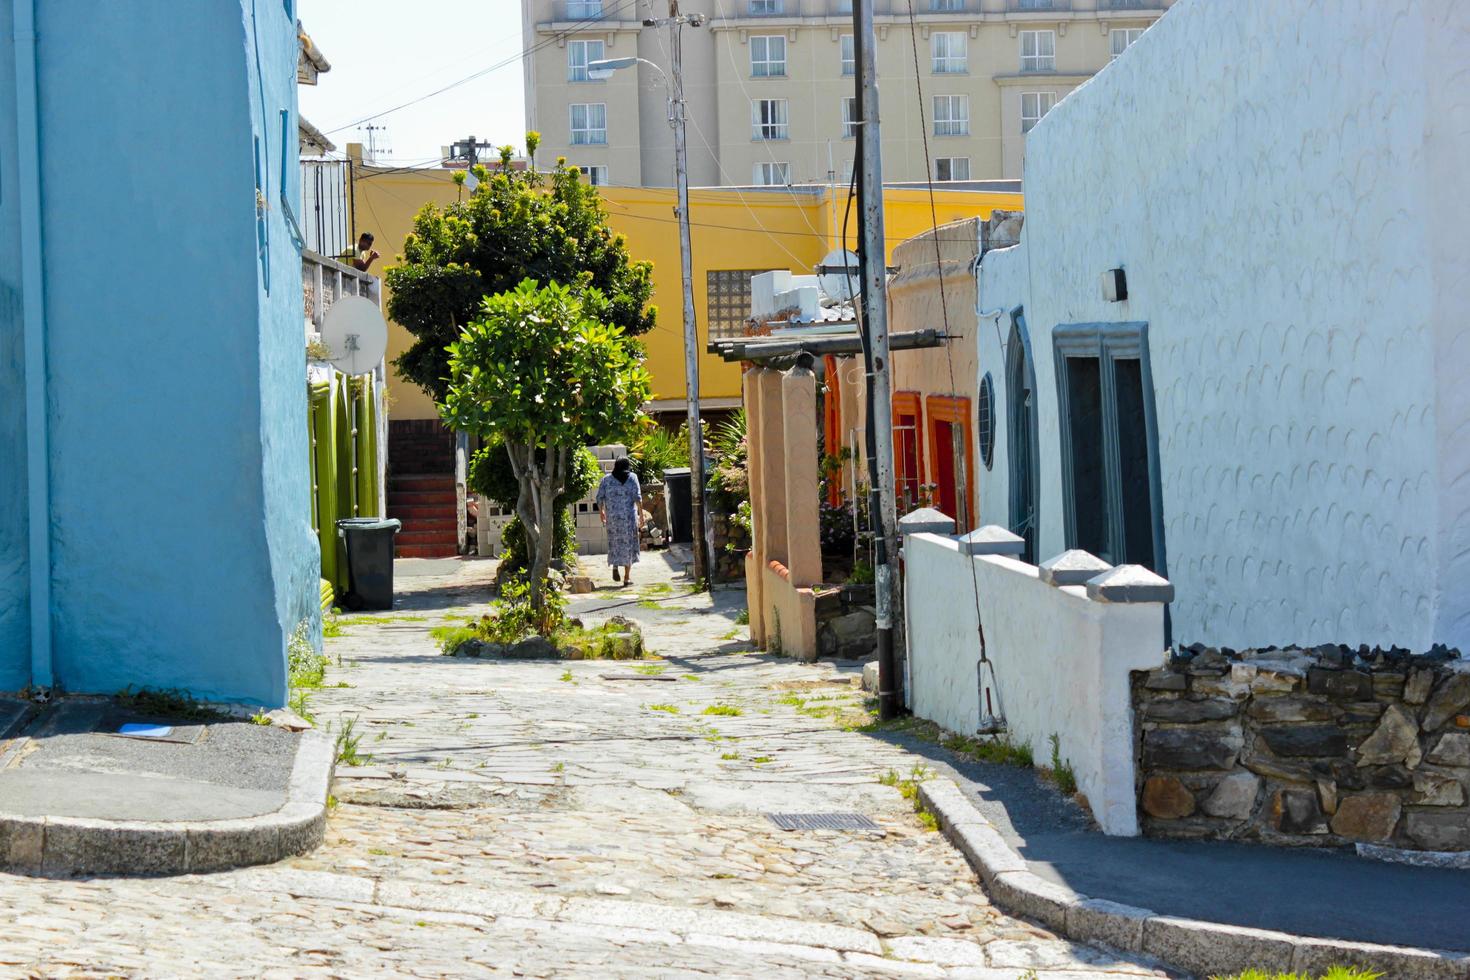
[1277, 416]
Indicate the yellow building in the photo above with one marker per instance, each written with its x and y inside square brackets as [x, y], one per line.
[735, 231]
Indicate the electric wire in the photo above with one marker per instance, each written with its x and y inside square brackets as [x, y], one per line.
[948, 353]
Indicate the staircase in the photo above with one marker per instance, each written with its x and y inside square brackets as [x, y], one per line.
[421, 490]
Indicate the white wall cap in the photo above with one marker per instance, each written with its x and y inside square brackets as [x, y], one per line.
[992, 539]
[925, 520]
[1130, 583]
[1074, 567]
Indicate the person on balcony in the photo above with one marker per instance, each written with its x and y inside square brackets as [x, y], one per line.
[620, 505]
[362, 257]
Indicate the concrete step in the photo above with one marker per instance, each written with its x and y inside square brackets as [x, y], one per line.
[420, 481]
[410, 512]
[427, 537]
[418, 498]
[437, 523]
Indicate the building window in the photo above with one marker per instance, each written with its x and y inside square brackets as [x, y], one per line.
[948, 50]
[584, 9]
[849, 117]
[1034, 105]
[946, 6]
[985, 421]
[768, 119]
[772, 174]
[579, 55]
[1121, 37]
[768, 56]
[908, 451]
[952, 168]
[1035, 5]
[765, 6]
[1038, 50]
[1109, 441]
[727, 301]
[849, 60]
[951, 115]
[589, 123]
[1021, 435]
[596, 175]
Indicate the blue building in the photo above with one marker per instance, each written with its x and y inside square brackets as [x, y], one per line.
[154, 509]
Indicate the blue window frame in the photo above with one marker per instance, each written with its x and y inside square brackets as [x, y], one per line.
[1112, 505]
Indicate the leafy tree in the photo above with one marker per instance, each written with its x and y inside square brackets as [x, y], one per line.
[540, 372]
[515, 225]
[491, 475]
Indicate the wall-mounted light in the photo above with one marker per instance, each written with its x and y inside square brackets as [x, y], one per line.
[1114, 286]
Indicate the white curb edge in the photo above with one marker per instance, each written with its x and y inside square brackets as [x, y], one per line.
[1200, 947]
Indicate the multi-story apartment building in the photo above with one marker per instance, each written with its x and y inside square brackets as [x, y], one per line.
[769, 84]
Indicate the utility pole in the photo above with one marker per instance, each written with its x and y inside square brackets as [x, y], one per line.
[676, 22]
[698, 522]
[883, 512]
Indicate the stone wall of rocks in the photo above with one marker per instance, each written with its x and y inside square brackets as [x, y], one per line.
[1327, 746]
[731, 542]
[846, 623]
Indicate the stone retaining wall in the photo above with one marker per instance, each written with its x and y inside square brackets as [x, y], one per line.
[1326, 746]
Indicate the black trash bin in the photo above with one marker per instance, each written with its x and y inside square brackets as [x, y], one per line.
[676, 493]
[369, 561]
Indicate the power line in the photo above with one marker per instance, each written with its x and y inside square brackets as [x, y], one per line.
[520, 56]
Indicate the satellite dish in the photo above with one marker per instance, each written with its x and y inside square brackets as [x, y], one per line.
[356, 334]
[840, 285]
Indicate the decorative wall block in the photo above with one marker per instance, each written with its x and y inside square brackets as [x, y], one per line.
[925, 520]
[1130, 583]
[1074, 567]
[992, 539]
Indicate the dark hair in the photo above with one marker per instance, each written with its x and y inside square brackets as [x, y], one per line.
[368, 235]
[621, 469]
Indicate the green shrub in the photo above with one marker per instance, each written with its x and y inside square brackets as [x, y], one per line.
[490, 474]
[657, 450]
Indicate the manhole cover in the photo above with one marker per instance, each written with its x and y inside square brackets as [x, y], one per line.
[822, 821]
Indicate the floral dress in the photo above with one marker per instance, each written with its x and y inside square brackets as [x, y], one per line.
[622, 503]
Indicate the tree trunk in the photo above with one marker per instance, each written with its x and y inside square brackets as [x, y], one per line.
[540, 481]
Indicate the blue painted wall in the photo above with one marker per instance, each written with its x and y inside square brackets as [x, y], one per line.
[14, 560]
[182, 554]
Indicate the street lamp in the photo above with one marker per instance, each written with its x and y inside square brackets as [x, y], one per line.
[602, 69]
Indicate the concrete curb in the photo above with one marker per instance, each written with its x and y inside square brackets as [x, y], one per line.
[1202, 948]
[74, 845]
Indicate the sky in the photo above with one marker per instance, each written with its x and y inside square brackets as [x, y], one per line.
[387, 52]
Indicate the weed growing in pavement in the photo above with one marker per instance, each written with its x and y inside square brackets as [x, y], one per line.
[377, 620]
[743, 619]
[1060, 772]
[566, 675]
[729, 756]
[381, 852]
[994, 748]
[347, 742]
[652, 670]
[672, 709]
[473, 715]
[649, 604]
[656, 588]
[260, 718]
[332, 624]
[170, 703]
[722, 709]
[382, 736]
[689, 677]
[908, 787]
[1333, 973]
[762, 759]
[443, 764]
[559, 767]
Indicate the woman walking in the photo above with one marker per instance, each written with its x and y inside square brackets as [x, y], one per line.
[620, 503]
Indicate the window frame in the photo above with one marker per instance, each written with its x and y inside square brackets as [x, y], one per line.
[588, 128]
[757, 127]
[1037, 95]
[582, 44]
[849, 117]
[909, 403]
[951, 101]
[1043, 62]
[783, 168]
[1136, 32]
[951, 161]
[586, 170]
[764, 8]
[945, 65]
[1109, 342]
[773, 67]
[847, 60]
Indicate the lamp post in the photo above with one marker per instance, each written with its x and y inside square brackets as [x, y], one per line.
[675, 22]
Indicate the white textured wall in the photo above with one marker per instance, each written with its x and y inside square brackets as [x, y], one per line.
[1061, 663]
[1283, 183]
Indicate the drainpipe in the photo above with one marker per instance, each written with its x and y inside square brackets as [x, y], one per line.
[33, 314]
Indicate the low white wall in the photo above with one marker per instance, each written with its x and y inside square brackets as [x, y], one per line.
[1061, 663]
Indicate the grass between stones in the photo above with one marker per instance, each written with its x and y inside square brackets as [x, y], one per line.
[672, 709]
[1333, 973]
[908, 787]
[722, 709]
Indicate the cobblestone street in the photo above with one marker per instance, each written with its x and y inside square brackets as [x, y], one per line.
[571, 819]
